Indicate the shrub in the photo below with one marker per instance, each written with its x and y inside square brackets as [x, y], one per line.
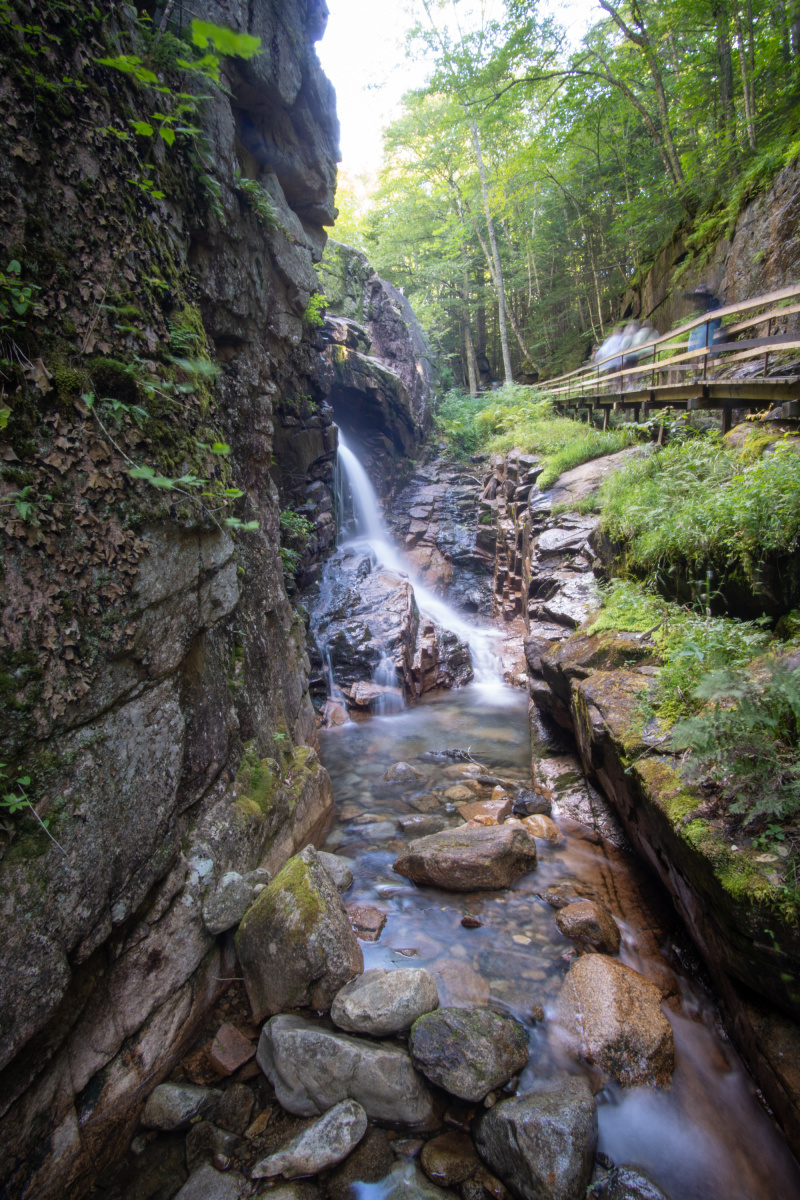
[746, 739]
[695, 506]
[514, 418]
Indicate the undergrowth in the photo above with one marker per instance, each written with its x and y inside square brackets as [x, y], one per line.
[513, 418]
[697, 506]
[726, 695]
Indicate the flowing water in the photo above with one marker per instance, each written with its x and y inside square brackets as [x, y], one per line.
[705, 1137]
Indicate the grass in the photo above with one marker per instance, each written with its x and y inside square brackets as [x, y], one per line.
[513, 418]
[697, 506]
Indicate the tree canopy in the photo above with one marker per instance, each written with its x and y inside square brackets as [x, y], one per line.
[528, 183]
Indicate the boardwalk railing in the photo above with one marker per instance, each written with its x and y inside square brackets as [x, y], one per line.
[655, 381]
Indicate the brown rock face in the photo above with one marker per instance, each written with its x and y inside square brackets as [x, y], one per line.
[469, 859]
[498, 809]
[612, 1018]
[588, 921]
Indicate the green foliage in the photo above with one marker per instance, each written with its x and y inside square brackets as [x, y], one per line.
[746, 739]
[259, 200]
[696, 506]
[314, 316]
[16, 297]
[513, 418]
[688, 644]
[455, 417]
[295, 530]
[160, 71]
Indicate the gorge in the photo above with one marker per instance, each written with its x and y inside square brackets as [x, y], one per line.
[342, 856]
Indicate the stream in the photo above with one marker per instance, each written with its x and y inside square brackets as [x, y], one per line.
[706, 1135]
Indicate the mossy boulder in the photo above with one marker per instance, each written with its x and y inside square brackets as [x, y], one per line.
[295, 944]
[468, 1051]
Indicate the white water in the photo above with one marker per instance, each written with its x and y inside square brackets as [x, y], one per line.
[370, 529]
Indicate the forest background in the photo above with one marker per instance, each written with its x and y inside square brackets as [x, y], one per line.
[530, 181]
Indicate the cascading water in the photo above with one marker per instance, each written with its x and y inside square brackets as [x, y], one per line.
[370, 529]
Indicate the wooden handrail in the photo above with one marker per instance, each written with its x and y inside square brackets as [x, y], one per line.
[717, 314]
[758, 346]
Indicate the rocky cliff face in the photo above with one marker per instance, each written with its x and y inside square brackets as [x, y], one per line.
[153, 671]
[382, 372]
[591, 686]
[762, 255]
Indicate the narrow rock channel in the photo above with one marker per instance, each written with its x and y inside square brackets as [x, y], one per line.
[472, 987]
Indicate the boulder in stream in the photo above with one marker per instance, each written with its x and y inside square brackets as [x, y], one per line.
[312, 1068]
[630, 1183]
[206, 1183]
[381, 1001]
[542, 1145]
[322, 1145]
[468, 1051]
[295, 944]
[338, 868]
[403, 772]
[589, 923]
[172, 1106]
[611, 1016]
[470, 858]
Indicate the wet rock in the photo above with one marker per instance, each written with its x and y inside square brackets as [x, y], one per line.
[450, 1158]
[459, 793]
[338, 868]
[468, 1052]
[611, 1016]
[497, 809]
[229, 1050]
[630, 1183]
[207, 1184]
[371, 1161]
[590, 923]
[469, 858]
[542, 827]
[403, 772]
[236, 1108]
[312, 1068]
[172, 1106]
[421, 824]
[483, 1186]
[322, 1145]
[382, 1001]
[460, 986]
[407, 1182]
[527, 803]
[205, 1141]
[295, 945]
[291, 1191]
[367, 922]
[226, 905]
[542, 1145]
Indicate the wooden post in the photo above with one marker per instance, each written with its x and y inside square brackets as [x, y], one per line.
[605, 417]
[727, 413]
[766, 355]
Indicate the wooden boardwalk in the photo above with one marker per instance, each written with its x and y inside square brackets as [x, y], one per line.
[733, 373]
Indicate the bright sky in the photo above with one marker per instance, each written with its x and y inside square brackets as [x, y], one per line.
[363, 54]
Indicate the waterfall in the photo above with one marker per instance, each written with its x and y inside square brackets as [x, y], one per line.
[370, 528]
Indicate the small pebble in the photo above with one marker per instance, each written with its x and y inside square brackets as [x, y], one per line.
[470, 922]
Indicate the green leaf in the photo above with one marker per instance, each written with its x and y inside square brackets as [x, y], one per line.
[143, 128]
[141, 472]
[220, 448]
[14, 268]
[168, 135]
[225, 41]
[5, 413]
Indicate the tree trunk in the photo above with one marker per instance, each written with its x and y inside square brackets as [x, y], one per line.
[727, 112]
[498, 271]
[749, 116]
[469, 347]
